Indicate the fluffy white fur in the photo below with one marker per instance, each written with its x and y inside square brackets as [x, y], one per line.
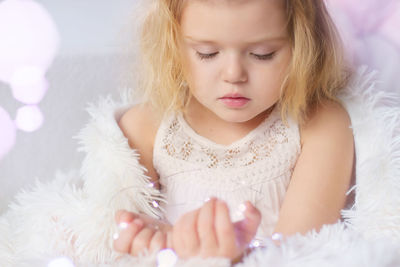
[73, 216]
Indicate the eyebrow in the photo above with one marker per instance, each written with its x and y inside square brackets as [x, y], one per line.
[257, 41]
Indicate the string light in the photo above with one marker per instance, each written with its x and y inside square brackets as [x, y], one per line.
[155, 204]
[239, 211]
[254, 243]
[123, 225]
[115, 236]
[277, 237]
[242, 207]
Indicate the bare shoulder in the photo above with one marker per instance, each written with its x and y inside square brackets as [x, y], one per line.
[328, 120]
[323, 171]
[139, 125]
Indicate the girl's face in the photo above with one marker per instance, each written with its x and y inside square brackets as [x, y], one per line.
[235, 54]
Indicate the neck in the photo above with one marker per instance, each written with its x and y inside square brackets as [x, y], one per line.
[209, 125]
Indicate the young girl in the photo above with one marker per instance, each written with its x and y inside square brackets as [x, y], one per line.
[240, 108]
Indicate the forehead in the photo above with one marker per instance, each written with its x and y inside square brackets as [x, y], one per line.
[233, 20]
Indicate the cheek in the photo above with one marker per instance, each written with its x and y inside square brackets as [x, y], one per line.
[276, 73]
[200, 73]
[271, 76]
[268, 82]
[285, 60]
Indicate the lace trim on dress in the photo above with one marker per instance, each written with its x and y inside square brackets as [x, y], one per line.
[182, 142]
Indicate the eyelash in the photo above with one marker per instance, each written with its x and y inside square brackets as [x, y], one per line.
[258, 57]
[206, 56]
[265, 57]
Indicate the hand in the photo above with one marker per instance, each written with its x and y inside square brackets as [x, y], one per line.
[209, 232]
[246, 229]
[139, 233]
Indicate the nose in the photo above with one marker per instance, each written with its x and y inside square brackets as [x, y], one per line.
[234, 70]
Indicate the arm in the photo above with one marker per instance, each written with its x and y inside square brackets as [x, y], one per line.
[322, 175]
[205, 232]
[139, 126]
[138, 231]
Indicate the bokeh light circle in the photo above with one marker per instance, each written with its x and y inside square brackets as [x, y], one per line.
[29, 43]
[29, 84]
[7, 133]
[29, 118]
[61, 262]
[166, 258]
[28, 37]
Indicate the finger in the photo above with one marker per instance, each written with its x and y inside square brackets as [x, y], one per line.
[185, 238]
[169, 243]
[125, 216]
[142, 241]
[117, 214]
[205, 228]
[224, 229]
[247, 228]
[156, 224]
[158, 241]
[124, 241]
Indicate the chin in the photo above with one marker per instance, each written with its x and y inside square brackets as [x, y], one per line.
[237, 116]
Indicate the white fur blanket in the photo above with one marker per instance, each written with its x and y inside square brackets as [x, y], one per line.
[73, 216]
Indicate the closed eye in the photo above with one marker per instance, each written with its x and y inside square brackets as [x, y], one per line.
[257, 56]
[264, 57]
[206, 56]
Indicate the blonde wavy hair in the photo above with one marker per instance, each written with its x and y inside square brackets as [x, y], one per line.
[317, 70]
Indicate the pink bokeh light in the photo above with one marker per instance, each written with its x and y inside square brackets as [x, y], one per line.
[29, 42]
[390, 28]
[367, 15]
[28, 35]
[29, 118]
[370, 30]
[7, 133]
[29, 84]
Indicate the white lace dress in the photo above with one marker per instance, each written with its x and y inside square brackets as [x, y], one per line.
[257, 168]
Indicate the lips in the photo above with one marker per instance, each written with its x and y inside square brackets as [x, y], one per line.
[234, 100]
